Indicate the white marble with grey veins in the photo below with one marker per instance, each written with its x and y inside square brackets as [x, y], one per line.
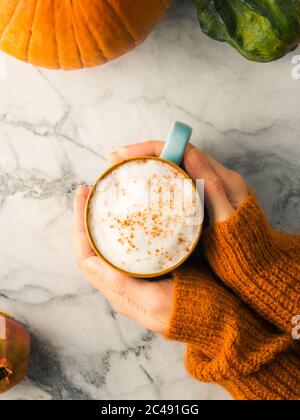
[56, 129]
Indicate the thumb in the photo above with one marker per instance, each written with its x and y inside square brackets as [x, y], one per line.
[216, 200]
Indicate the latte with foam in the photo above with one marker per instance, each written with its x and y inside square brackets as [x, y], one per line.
[144, 217]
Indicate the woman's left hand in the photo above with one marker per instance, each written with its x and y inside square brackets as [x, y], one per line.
[148, 303]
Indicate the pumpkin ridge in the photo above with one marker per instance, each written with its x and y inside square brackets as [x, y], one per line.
[121, 21]
[55, 34]
[92, 34]
[74, 32]
[43, 37]
[7, 26]
[66, 41]
[81, 31]
[30, 38]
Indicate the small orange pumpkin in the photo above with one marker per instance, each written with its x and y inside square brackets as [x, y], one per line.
[14, 352]
[72, 34]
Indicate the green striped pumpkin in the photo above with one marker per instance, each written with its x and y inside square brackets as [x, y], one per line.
[261, 30]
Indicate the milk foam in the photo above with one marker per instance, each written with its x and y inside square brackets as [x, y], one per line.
[145, 216]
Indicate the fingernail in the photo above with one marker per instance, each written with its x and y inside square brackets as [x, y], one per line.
[123, 151]
[93, 265]
[80, 189]
[193, 161]
[113, 156]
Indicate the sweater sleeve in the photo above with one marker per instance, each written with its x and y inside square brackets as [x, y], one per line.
[228, 343]
[262, 266]
[277, 380]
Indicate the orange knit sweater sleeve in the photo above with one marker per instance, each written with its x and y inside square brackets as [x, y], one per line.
[238, 325]
[228, 343]
[262, 266]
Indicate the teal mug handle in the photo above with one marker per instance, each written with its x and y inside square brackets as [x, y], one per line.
[177, 140]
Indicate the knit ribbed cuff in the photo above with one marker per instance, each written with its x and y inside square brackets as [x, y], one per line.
[193, 310]
[280, 380]
[226, 339]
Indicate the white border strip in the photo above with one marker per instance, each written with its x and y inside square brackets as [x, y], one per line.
[2, 328]
[3, 67]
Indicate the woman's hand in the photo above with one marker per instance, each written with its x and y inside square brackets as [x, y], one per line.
[148, 303]
[225, 190]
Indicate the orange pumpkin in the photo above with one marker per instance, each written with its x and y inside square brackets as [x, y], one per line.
[72, 34]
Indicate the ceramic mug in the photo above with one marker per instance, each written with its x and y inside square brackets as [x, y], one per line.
[176, 143]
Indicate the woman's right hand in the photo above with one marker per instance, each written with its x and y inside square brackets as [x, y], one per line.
[225, 190]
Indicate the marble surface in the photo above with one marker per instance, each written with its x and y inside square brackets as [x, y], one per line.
[56, 129]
